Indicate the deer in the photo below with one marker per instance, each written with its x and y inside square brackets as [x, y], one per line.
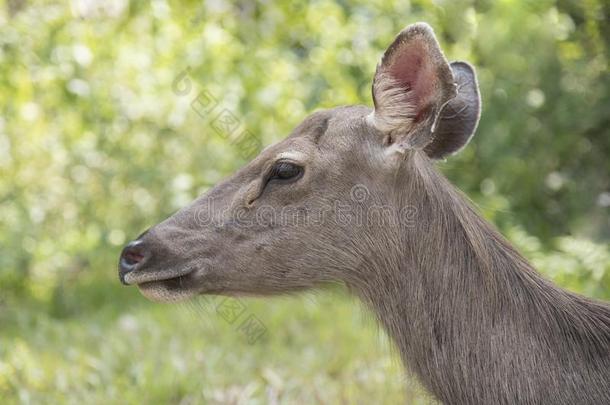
[470, 317]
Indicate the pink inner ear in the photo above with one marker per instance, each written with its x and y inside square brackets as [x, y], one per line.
[413, 69]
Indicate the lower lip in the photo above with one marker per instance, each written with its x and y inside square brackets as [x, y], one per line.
[144, 278]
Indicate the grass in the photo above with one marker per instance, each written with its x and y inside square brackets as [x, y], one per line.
[120, 348]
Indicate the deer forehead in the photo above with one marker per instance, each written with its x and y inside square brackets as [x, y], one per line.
[323, 130]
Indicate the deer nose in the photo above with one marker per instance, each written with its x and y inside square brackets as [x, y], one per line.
[133, 256]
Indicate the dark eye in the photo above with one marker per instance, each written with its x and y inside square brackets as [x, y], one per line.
[285, 171]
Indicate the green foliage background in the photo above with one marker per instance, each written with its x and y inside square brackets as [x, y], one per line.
[99, 140]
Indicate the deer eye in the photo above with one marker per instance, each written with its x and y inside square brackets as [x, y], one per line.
[283, 170]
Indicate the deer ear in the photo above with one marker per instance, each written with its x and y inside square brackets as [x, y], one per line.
[412, 84]
[459, 118]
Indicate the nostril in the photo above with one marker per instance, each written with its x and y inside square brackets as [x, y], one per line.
[132, 256]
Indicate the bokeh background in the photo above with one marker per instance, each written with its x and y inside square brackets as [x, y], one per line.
[107, 126]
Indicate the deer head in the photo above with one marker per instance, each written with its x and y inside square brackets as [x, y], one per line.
[317, 206]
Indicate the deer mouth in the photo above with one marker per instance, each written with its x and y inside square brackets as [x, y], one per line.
[165, 286]
[144, 278]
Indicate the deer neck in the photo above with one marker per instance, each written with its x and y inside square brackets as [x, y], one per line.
[470, 316]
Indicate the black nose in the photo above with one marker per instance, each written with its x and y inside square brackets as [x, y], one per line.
[133, 256]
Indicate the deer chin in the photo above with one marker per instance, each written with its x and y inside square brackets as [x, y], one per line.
[166, 291]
